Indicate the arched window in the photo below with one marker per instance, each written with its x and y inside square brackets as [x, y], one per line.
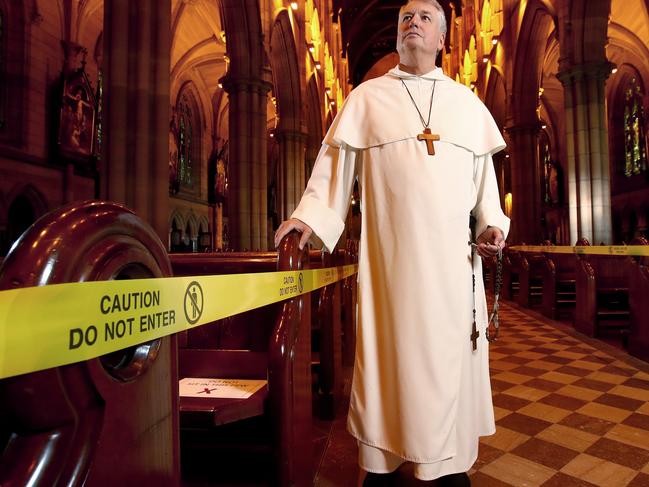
[189, 139]
[635, 144]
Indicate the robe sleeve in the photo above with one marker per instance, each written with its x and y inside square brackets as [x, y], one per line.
[325, 202]
[487, 210]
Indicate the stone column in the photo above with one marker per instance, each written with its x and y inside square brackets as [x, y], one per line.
[526, 184]
[292, 170]
[135, 161]
[589, 188]
[248, 162]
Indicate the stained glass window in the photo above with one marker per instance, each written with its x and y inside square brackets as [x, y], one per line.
[185, 141]
[635, 144]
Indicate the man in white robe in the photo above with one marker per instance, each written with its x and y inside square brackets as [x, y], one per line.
[420, 391]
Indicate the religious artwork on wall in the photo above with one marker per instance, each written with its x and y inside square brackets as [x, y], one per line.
[174, 181]
[221, 183]
[552, 175]
[77, 116]
[217, 169]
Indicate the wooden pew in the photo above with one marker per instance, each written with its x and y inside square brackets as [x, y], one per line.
[559, 284]
[273, 342]
[110, 420]
[511, 273]
[530, 278]
[602, 295]
[639, 304]
[327, 338]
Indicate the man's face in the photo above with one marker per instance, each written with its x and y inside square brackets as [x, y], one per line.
[419, 29]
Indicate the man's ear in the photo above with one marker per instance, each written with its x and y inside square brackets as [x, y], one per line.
[442, 39]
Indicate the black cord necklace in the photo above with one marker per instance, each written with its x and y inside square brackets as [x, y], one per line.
[430, 107]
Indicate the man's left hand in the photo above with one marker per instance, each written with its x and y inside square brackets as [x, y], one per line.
[490, 242]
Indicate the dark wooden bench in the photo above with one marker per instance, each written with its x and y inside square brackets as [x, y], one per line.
[272, 429]
[559, 284]
[602, 296]
[639, 304]
[326, 358]
[107, 421]
[511, 274]
[530, 278]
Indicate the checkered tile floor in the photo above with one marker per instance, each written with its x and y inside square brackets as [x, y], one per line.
[570, 411]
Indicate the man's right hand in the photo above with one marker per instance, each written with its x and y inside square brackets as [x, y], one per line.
[293, 224]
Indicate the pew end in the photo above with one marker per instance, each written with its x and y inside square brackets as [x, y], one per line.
[74, 424]
[272, 428]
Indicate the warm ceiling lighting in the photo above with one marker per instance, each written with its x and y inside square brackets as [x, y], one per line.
[485, 59]
[614, 70]
[494, 41]
[544, 126]
[220, 85]
[294, 5]
[318, 66]
[311, 48]
[473, 86]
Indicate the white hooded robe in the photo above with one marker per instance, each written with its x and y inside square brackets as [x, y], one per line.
[419, 391]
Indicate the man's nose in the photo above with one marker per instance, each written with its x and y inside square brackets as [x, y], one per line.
[413, 22]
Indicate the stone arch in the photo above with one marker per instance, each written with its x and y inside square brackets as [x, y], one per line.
[313, 122]
[496, 95]
[588, 21]
[192, 225]
[203, 224]
[26, 206]
[242, 23]
[286, 73]
[177, 219]
[536, 26]
[176, 228]
[36, 199]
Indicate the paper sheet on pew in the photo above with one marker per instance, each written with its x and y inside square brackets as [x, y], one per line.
[220, 388]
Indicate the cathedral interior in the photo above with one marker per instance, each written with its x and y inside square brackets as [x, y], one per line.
[205, 117]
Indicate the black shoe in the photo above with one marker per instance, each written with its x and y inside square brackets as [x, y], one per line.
[380, 480]
[454, 480]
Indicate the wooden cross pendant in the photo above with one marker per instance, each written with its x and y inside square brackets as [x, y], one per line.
[474, 337]
[428, 137]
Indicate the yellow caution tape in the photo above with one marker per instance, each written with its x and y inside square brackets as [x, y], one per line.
[49, 326]
[636, 250]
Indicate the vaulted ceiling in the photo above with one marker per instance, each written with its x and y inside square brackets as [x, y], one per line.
[197, 46]
[369, 30]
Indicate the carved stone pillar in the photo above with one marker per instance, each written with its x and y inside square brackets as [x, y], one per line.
[589, 189]
[526, 184]
[134, 168]
[292, 170]
[248, 206]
